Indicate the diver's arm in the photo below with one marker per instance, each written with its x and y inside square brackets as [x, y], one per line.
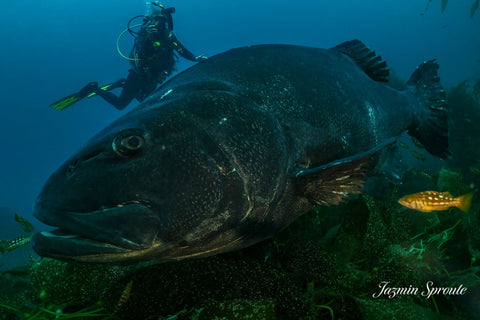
[184, 52]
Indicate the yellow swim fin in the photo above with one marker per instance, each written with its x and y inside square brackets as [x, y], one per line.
[87, 91]
[72, 98]
[65, 102]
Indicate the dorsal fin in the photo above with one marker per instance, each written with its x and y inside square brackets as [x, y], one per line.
[366, 59]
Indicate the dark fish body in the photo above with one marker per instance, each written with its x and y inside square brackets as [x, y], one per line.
[232, 150]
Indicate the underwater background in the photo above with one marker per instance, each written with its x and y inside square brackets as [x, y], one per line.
[327, 264]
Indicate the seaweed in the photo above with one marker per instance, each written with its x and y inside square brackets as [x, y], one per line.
[444, 4]
[474, 8]
[476, 89]
[465, 115]
[53, 312]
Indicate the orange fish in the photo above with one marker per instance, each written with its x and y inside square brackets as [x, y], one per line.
[428, 201]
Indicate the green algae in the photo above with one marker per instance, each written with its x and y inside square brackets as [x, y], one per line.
[465, 116]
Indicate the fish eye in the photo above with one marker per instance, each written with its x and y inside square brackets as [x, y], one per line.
[132, 142]
[128, 143]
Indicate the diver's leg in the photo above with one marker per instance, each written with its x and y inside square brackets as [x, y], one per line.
[149, 84]
[130, 90]
[111, 98]
[146, 91]
[89, 88]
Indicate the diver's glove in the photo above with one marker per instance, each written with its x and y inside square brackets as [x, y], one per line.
[200, 58]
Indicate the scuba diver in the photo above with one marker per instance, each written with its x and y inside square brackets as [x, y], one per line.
[152, 60]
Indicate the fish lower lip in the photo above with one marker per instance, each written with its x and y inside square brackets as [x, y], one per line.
[55, 217]
[61, 245]
[65, 235]
[128, 226]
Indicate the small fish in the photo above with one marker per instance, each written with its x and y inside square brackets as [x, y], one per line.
[428, 201]
[18, 242]
[417, 143]
[24, 224]
[417, 155]
[421, 174]
[124, 297]
[403, 145]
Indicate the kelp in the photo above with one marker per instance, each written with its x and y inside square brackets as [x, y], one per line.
[464, 107]
[444, 4]
[476, 90]
[474, 8]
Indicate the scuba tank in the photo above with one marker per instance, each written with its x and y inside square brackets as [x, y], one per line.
[148, 8]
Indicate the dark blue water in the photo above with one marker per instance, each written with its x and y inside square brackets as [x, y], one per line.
[52, 48]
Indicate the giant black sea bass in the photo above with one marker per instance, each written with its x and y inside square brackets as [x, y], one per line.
[233, 149]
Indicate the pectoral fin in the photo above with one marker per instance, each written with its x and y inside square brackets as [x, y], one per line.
[333, 182]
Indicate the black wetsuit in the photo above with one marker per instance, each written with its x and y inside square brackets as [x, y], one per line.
[154, 61]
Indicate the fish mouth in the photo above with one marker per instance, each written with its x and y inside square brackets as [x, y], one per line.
[116, 233]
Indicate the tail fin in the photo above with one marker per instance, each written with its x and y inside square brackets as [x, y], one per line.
[432, 132]
[465, 201]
